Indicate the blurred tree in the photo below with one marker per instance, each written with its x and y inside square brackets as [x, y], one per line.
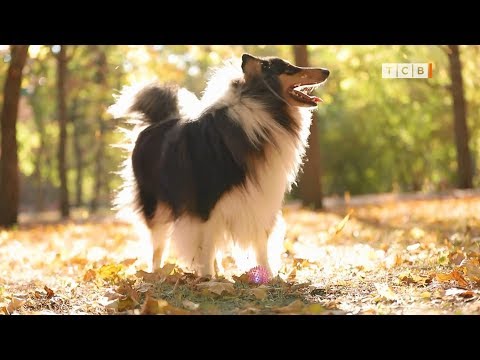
[100, 78]
[464, 160]
[9, 171]
[309, 184]
[62, 61]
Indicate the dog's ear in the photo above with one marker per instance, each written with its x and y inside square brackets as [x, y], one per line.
[251, 66]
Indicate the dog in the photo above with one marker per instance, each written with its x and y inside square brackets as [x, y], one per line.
[206, 174]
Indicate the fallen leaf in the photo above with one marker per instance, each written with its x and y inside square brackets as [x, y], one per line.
[314, 309]
[293, 307]
[408, 278]
[472, 269]
[144, 287]
[459, 278]
[49, 291]
[111, 272]
[242, 278]
[444, 277]
[127, 290]
[89, 275]
[217, 287]
[467, 294]
[190, 305]
[339, 227]
[148, 277]
[385, 292]
[15, 304]
[426, 295]
[260, 292]
[128, 262]
[160, 307]
[153, 306]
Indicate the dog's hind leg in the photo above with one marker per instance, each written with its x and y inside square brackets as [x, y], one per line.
[160, 229]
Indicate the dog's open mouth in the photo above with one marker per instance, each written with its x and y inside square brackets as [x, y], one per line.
[301, 93]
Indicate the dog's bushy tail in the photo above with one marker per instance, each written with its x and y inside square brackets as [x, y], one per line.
[153, 102]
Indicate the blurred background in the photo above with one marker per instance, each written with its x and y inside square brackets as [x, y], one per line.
[371, 135]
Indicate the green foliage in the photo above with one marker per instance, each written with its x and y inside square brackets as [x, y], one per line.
[376, 134]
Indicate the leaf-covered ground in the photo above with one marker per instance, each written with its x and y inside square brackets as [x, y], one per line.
[399, 257]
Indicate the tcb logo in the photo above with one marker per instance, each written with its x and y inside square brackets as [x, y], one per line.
[407, 70]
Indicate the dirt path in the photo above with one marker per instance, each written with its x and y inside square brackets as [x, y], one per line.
[417, 256]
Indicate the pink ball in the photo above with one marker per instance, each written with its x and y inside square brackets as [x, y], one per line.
[258, 275]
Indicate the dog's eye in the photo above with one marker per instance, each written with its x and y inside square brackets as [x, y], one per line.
[265, 66]
[290, 70]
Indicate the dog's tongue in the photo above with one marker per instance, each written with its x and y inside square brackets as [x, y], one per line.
[316, 99]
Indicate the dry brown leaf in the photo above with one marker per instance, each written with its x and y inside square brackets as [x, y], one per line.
[241, 279]
[160, 307]
[459, 279]
[190, 305]
[294, 307]
[127, 290]
[153, 306]
[467, 294]
[408, 278]
[15, 304]
[472, 269]
[260, 292]
[444, 277]
[49, 291]
[217, 287]
[89, 275]
[148, 277]
[128, 262]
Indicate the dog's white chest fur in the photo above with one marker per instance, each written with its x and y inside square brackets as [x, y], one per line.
[248, 215]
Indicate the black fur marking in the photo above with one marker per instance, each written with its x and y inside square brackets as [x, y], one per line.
[190, 165]
[156, 102]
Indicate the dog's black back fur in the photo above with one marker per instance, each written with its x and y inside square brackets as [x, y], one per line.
[189, 165]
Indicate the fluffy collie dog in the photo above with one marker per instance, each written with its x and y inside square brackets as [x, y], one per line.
[207, 174]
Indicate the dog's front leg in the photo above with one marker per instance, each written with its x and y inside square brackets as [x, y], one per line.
[269, 245]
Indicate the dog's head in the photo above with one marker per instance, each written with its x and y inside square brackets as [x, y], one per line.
[292, 83]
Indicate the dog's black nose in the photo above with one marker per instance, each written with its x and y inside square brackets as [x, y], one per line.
[326, 72]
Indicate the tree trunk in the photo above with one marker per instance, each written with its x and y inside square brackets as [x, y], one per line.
[309, 183]
[62, 123]
[464, 160]
[78, 151]
[39, 161]
[101, 80]
[99, 169]
[9, 172]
